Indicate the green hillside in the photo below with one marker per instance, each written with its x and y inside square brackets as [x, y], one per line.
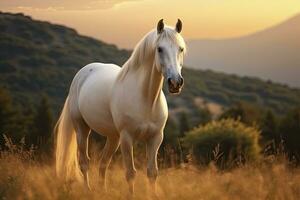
[227, 89]
[39, 57]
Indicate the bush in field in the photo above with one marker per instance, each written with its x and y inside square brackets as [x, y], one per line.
[227, 142]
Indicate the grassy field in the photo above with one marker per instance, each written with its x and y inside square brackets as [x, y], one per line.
[23, 178]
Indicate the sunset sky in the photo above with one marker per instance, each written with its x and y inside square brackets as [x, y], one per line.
[124, 22]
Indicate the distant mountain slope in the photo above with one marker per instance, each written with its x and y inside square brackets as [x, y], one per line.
[269, 54]
[38, 57]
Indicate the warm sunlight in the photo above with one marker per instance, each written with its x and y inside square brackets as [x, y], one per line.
[150, 99]
[202, 19]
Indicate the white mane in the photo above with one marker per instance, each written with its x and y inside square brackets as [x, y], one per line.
[144, 51]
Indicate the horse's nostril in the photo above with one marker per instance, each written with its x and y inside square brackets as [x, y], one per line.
[169, 81]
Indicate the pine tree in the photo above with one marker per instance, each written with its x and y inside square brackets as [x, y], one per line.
[171, 132]
[269, 127]
[269, 133]
[7, 115]
[290, 132]
[43, 125]
[183, 124]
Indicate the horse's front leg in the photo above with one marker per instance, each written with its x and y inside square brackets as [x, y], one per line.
[153, 145]
[127, 154]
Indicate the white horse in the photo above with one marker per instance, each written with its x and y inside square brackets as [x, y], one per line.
[124, 104]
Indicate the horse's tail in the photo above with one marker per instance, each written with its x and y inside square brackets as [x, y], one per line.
[66, 145]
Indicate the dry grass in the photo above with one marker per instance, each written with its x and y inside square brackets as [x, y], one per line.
[23, 178]
[29, 180]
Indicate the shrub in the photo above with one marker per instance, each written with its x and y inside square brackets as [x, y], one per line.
[227, 142]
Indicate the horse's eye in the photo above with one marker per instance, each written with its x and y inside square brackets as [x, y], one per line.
[159, 49]
[181, 49]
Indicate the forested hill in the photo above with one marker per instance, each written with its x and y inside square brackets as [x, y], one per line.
[39, 57]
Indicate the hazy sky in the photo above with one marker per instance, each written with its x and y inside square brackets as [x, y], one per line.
[124, 22]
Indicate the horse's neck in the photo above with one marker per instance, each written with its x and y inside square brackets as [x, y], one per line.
[150, 81]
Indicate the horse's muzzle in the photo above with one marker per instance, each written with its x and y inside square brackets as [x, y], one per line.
[175, 85]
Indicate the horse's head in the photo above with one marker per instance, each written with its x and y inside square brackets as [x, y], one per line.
[170, 49]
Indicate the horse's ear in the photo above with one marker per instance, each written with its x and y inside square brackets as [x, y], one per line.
[160, 26]
[178, 27]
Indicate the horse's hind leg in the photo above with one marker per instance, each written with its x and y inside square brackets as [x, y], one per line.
[82, 133]
[111, 146]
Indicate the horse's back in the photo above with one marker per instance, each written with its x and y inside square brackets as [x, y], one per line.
[94, 86]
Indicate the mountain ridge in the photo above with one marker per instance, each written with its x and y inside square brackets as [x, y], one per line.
[269, 54]
[293, 19]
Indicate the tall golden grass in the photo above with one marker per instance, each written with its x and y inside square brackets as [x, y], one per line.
[21, 177]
